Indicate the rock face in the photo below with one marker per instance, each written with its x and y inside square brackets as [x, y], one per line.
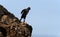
[10, 26]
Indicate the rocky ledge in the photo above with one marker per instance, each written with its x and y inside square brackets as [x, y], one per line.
[11, 26]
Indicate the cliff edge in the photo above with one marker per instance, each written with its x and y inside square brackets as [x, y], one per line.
[11, 26]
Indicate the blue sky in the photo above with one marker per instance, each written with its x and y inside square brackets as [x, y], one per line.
[44, 15]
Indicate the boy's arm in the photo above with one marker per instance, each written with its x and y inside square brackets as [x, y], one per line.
[22, 11]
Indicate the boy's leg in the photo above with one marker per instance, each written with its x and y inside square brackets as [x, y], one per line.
[20, 19]
[24, 19]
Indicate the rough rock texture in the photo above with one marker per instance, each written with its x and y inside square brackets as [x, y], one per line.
[10, 26]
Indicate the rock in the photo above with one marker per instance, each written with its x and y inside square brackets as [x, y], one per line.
[10, 26]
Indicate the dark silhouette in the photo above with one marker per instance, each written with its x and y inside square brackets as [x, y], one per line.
[24, 13]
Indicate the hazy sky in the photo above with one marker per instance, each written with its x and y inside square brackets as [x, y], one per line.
[44, 15]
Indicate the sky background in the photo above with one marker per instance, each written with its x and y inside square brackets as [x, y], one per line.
[44, 15]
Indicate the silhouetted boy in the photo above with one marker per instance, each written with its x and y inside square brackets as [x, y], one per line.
[24, 13]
